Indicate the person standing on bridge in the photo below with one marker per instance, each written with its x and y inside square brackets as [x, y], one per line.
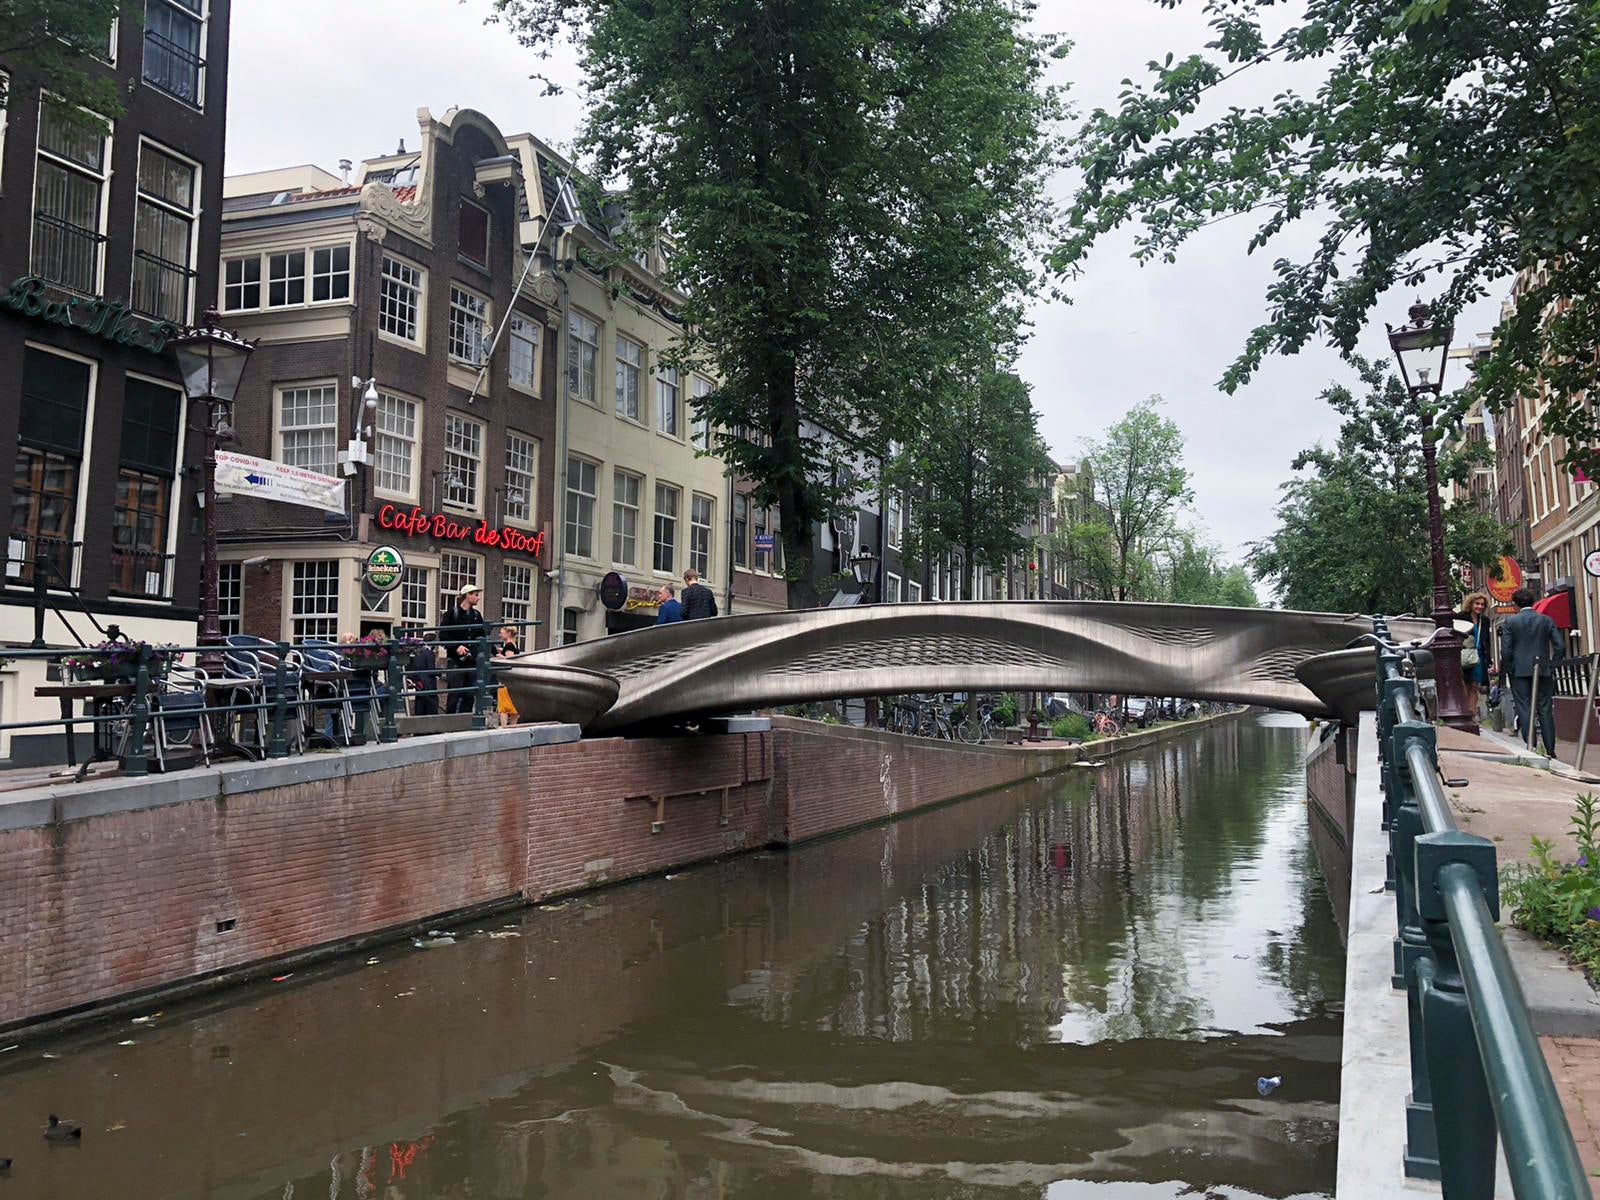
[1529, 639]
[698, 600]
[1475, 640]
[670, 612]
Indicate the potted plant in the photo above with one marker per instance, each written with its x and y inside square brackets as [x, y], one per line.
[118, 661]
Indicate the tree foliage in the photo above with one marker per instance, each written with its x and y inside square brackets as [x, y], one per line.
[1137, 484]
[1450, 146]
[56, 42]
[975, 476]
[854, 192]
[1192, 571]
[1352, 531]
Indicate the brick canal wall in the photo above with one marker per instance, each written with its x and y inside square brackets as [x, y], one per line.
[114, 891]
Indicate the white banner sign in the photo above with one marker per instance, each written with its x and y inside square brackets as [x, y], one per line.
[242, 475]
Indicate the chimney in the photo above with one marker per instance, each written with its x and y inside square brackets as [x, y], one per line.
[401, 148]
[344, 169]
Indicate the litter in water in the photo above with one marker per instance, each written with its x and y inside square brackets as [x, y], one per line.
[281, 978]
[128, 1042]
[1268, 1084]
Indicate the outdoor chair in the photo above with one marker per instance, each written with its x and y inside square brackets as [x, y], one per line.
[251, 664]
[176, 722]
[328, 696]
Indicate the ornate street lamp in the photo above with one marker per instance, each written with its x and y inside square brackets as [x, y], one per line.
[865, 568]
[211, 360]
[1422, 348]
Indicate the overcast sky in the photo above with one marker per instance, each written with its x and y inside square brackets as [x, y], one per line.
[320, 80]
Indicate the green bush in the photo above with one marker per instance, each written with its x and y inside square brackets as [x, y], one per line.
[1073, 725]
[1006, 708]
[1560, 902]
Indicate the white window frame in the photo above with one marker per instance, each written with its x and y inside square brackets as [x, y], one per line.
[461, 423]
[569, 506]
[417, 579]
[306, 277]
[522, 471]
[574, 371]
[488, 235]
[669, 400]
[452, 577]
[913, 592]
[891, 588]
[701, 438]
[702, 562]
[630, 370]
[328, 571]
[463, 344]
[895, 520]
[103, 177]
[243, 260]
[203, 42]
[658, 517]
[191, 215]
[312, 274]
[524, 331]
[618, 509]
[86, 455]
[519, 587]
[279, 429]
[230, 597]
[174, 486]
[419, 300]
[386, 397]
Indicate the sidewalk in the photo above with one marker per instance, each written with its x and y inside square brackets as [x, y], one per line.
[1510, 803]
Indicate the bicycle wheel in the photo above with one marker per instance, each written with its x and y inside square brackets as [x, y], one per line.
[970, 730]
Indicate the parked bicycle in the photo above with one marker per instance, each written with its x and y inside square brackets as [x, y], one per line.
[1106, 724]
[978, 725]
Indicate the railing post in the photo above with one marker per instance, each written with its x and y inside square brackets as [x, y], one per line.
[394, 696]
[1411, 950]
[277, 744]
[480, 693]
[137, 763]
[40, 565]
[1463, 1115]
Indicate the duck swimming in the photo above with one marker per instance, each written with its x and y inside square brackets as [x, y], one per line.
[62, 1131]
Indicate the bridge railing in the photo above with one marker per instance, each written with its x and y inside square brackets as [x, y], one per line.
[1476, 1066]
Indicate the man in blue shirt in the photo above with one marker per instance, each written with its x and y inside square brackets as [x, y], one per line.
[670, 610]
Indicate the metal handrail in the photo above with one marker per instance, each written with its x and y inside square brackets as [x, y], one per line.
[1476, 1066]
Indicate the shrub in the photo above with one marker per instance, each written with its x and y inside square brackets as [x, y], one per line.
[1073, 725]
[1560, 902]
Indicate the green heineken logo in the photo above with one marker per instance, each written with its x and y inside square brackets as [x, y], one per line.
[385, 569]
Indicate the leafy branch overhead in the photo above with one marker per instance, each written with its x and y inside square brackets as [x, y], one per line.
[1449, 147]
[65, 46]
[855, 192]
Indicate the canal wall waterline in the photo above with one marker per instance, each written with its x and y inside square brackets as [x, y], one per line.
[123, 893]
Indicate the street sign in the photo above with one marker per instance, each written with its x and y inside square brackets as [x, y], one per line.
[1591, 563]
[245, 475]
[384, 569]
[1510, 579]
[613, 590]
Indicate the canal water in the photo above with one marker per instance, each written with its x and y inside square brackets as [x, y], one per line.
[1063, 990]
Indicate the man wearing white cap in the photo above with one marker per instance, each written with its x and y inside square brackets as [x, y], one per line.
[459, 631]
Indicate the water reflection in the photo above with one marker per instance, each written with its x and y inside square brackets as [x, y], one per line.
[1062, 990]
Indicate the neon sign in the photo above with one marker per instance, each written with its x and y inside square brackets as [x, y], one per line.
[101, 318]
[440, 526]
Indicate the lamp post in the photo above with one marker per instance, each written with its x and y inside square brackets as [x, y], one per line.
[865, 568]
[211, 360]
[1416, 345]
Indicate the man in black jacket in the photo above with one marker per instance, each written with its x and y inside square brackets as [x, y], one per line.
[698, 600]
[1528, 640]
[459, 631]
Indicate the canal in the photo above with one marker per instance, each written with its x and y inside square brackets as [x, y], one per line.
[1066, 989]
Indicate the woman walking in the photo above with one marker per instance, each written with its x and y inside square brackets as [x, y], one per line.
[1472, 623]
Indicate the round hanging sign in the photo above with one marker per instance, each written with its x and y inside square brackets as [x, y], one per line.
[613, 590]
[384, 569]
[1591, 563]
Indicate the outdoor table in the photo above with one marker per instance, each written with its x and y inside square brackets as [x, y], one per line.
[101, 697]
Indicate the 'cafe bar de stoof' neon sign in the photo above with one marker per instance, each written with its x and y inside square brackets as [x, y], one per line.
[418, 523]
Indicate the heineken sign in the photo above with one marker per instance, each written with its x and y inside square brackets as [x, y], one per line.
[97, 317]
[384, 569]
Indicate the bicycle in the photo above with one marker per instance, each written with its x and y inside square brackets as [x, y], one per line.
[933, 720]
[978, 725]
[1106, 725]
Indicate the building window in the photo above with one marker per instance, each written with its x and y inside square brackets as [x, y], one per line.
[457, 571]
[286, 279]
[308, 427]
[891, 589]
[896, 516]
[580, 507]
[469, 315]
[516, 596]
[394, 446]
[241, 283]
[630, 364]
[314, 601]
[521, 468]
[473, 227]
[330, 273]
[666, 528]
[524, 352]
[741, 530]
[399, 300]
[139, 563]
[913, 591]
[701, 513]
[414, 612]
[463, 458]
[68, 202]
[702, 423]
[230, 598]
[583, 356]
[667, 416]
[569, 625]
[163, 234]
[763, 558]
[172, 38]
[625, 491]
[44, 483]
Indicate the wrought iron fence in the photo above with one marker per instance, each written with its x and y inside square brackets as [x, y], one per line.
[146, 573]
[1476, 1066]
[173, 68]
[67, 254]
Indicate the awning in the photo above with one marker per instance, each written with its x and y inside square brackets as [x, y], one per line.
[1558, 608]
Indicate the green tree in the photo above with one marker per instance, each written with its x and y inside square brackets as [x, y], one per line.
[1448, 146]
[855, 196]
[977, 475]
[1352, 531]
[56, 42]
[1191, 571]
[1138, 484]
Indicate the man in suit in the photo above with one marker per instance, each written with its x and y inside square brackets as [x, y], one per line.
[1526, 638]
[698, 600]
[670, 612]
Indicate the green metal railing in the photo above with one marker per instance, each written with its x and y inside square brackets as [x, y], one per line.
[1476, 1066]
[294, 711]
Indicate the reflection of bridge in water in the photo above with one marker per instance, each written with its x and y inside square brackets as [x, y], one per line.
[1294, 661]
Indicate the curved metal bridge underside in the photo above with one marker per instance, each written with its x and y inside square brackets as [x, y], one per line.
[1295, 661]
